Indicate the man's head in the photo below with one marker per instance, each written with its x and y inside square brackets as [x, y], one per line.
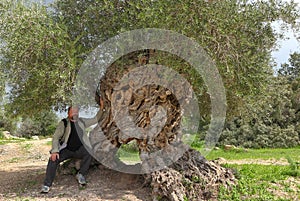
[73, 113]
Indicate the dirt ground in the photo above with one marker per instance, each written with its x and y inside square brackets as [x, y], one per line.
[22, 171]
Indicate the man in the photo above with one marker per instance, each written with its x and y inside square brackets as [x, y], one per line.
[69, 141]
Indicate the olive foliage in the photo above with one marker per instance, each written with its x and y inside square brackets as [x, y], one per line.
[44, 47]
[38, 58]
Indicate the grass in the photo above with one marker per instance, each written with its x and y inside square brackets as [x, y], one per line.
[234, 154]
[260, 182]
[128, 156]
[294, 169]
[26, 146]
[14, 160]
[13, 140]
[257, 182]
[129, 153]
[238, 154]
[49, 143]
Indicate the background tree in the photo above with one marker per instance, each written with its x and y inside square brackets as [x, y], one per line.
[270, 121]
[291, 69]
[43, 124]
[290, 72]
[7, 122]
[39, 58]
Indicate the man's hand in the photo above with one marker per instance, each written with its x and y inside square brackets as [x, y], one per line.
[54, 156]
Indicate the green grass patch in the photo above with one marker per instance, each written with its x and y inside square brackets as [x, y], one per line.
[128, 156]
[254, 182]
[294, 169]
[14, 140]
[129, 152]
[27, 146]
[14, 160]
[240, 153]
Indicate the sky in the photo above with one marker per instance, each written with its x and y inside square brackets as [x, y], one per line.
[286, 47]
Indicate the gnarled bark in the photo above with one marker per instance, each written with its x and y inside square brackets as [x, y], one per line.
[190, 175]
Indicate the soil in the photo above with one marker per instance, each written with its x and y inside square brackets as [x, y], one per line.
[271, 161]
[22, 171]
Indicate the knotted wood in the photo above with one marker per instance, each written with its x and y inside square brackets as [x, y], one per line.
[191, 177]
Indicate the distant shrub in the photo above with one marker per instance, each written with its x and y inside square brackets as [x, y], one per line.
[43, 124]
[260, 136]
[272, 120]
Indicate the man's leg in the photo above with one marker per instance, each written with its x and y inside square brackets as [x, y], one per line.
[83, 154]
[52, 166]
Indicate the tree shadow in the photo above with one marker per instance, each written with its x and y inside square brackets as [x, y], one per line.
[103, 184]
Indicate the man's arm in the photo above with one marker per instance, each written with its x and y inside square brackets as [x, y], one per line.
[59, 132]
[92, 121]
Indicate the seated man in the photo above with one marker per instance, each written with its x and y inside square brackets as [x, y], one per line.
[66, 144]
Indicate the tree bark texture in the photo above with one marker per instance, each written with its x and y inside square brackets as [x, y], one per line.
[190, 176]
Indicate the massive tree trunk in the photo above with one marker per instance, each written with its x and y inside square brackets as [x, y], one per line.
[189, 175]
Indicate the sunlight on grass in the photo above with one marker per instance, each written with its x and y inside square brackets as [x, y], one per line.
[258, 182]
[14, 160]
[237, 154]
[27, 146]
[14, 140]
[128, 153]
[49, 143]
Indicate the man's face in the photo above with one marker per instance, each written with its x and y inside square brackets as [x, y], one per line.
[73, 114]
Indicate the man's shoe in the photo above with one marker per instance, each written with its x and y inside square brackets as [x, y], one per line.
[80, 178]
[45, 189]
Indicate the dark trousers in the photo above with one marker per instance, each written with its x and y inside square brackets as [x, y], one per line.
[65, 154]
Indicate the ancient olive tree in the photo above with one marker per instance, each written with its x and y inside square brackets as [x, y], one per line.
[44, 50]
